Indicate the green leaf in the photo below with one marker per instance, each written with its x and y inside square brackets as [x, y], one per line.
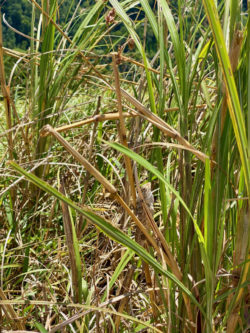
[40, 327]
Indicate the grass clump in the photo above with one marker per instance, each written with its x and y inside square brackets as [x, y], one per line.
[125, 172]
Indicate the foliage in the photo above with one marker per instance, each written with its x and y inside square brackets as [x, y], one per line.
[127, 120]
[18, 14]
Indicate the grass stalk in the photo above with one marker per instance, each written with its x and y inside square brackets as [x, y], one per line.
[122, 132]
[94, 119]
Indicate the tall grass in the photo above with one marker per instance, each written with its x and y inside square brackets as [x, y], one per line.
[180, 116]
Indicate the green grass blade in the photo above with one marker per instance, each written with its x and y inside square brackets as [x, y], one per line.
[178, 46]
[92, 13]
[119, 269]
[209, 241]
[40, 327]
[232, 94]
[151, 17]
[208, 214]
[73, 247]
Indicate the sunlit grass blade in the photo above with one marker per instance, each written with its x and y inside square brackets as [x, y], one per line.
[232, 95]
[92, 13]
[178, 46]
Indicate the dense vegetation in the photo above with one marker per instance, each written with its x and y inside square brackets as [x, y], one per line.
[18, 14]
[124, 166]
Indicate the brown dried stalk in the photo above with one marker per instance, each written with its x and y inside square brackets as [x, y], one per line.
[94, 119]
[86, 179]
[10, 313]
[122, 132]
